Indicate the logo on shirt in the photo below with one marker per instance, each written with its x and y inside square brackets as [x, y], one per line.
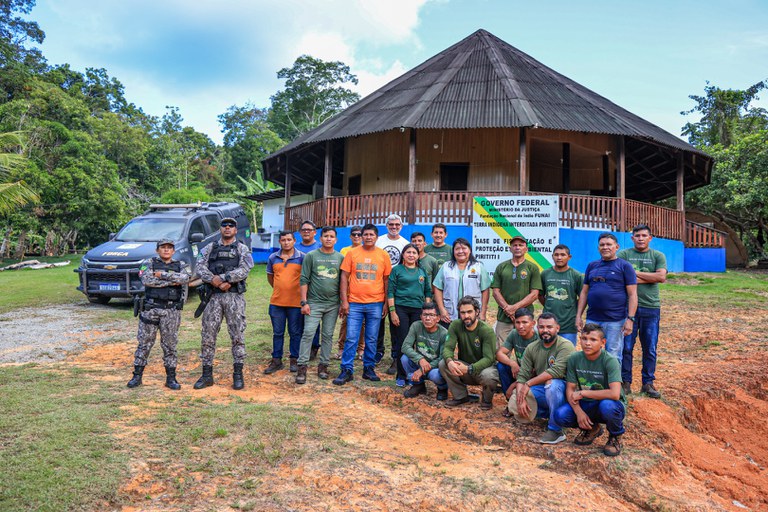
[421, 279]
[477, 342]
[394, 254]
[551, 361]
[523, 274]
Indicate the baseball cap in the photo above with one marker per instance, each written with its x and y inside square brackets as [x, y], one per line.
[226, 220]
[166, 241]
[532, 405]
[518, 237]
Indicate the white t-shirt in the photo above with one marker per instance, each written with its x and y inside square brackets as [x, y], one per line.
[393, 247]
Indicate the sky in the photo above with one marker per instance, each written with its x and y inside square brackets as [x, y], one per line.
[205, 56]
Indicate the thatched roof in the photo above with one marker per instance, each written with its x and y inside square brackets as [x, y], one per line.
[483, 82]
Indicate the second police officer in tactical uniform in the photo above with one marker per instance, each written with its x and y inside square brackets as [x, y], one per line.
[224, 266]
[165, 284]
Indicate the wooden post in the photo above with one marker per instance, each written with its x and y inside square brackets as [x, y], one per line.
[566, 168]
[523, 161]
[412, 177]
[286, 217]
[606, 175]
[681, 191]
[621, 182]
[327, 181]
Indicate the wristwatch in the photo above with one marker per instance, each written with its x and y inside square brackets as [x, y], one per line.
[304, 303]
[631, 318]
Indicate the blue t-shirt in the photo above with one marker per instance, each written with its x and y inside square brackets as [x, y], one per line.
[306, 249]
[607, 296]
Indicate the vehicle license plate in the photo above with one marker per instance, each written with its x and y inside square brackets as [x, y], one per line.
[110, 287]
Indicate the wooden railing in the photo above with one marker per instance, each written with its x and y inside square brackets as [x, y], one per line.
[698, 235]
[576, 211]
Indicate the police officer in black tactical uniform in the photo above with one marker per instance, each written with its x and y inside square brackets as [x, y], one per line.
[224, 266]
[165, 288]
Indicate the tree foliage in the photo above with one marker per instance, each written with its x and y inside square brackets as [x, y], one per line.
[735, 133]
[314, 92]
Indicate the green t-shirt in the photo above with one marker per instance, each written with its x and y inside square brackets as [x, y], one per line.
[441, 254]
[477, 347]
[516, 342]
[515, 283]
[420, 343]
[594, 375]
[561, 296]
[320, 271]
[409, 286]
[430, 266]
[648, 261]
[538, 359]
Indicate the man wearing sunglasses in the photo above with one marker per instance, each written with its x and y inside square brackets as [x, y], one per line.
[225, 266]
[356, 237]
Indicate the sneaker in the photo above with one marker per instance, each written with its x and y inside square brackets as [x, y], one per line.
[552, 437]
[370, 374]
[587, 437]
[344, 377]
[378, 358]
[650, 391]
[442, 394]
[392, 370]
[613, 446]
[415, 390]
[626, 387]
[400, 383]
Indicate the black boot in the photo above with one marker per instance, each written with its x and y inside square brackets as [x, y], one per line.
[138, 371]
[206, 379]
[237, 376]
[170, 378]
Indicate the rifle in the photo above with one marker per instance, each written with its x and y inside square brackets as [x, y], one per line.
[205, 291]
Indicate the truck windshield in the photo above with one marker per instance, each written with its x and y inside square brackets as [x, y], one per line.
[150, 230]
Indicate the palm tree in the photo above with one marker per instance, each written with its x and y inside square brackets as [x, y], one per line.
[16, 193]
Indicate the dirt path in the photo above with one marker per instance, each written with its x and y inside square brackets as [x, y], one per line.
[700, 448]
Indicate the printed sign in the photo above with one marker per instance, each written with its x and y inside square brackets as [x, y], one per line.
[497, 219]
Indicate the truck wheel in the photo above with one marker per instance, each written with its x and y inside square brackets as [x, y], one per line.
[98, 299]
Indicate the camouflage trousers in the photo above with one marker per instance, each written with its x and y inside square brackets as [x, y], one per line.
[229, 306]
[165, 320]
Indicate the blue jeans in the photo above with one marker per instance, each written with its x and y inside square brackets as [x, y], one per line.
[614, 336]
[359, 313]
[279, 315]
[646, 325]
[549, 397]
[433, 375]
[505, 375]
[610, 412]
[570, 336]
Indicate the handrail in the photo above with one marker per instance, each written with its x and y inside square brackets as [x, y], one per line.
[455, 207]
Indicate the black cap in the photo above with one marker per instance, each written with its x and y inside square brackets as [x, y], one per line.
[228, 219]
[166, 241]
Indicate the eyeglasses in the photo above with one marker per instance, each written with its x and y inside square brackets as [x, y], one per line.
[228, 225]
[394, 224]
[355, 234]
[307, 230]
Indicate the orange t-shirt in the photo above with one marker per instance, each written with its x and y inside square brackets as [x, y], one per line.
[368, 270]
[286, 273]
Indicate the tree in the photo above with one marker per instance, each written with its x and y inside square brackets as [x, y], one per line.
[313, 93]
[248, 139]
[735, 133]
[15, 193]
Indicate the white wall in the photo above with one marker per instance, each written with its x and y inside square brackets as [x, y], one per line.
[272, 219]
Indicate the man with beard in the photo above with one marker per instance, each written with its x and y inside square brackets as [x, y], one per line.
[542, 371]
[477, 347]
[510, 354]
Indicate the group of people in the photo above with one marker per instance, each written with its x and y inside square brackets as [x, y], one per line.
[435, 298]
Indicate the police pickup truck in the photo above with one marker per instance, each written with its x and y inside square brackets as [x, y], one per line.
[112, 269]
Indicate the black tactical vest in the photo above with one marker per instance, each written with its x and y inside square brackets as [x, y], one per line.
[223, 259]
[166, 293]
